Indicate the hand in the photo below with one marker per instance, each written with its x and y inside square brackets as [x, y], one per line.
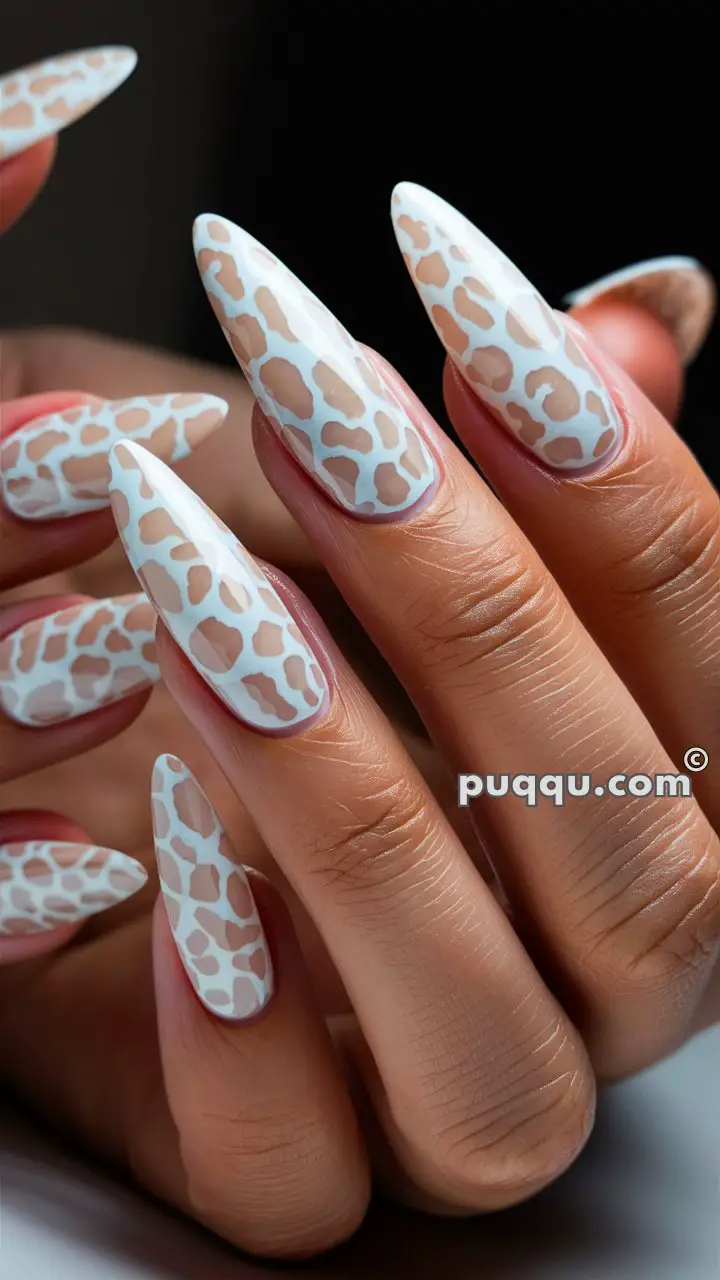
[93, 992]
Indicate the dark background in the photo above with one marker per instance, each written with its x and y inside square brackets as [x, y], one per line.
[580, 137]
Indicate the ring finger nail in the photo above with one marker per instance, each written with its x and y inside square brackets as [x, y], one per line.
[679, 291]
[509, 345]
[46, 884]
[214, 599]
[78, 659]
[207, 897]
[59, 465]
[42, 99]
[311, 379]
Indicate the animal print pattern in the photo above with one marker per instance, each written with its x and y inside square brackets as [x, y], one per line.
[213, 597]
[46, 884]
[42, 99]
[59, 465]
[208, 898]
[311, 379]
[679, 291]
[511, 348]
[78, 659]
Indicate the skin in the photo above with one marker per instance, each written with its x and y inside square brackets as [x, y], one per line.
[419, 1028]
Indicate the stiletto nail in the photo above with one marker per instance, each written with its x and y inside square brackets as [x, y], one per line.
[46, 884]
[78, 659]
[207, 897]
[679, 291]
[42, 99]
[214, 599]
[59, 465]
[506, 342]
[311, 379]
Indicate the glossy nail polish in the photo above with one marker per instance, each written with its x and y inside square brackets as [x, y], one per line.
[208, 898]
[214, 599]
[42, 99]
[59, 465]
[46, 884]
[679, 291]
[506, 342]
[78, 659]
[311, 378]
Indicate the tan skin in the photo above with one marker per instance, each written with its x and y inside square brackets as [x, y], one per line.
[90, 1009]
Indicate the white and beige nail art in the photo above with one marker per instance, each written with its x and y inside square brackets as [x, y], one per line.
[679, 291]
[59, 465]
[509, 345]
[45, 884]
[311, 379]
[207, 897]
[78, 659]
[42, 99]
[214, 599]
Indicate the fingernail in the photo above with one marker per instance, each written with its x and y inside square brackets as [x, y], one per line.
[207, 897]
[311, 379]
[214, 599]
[679, 291]
[45, 884]
[505, 340]
[78, 659]
[42, 99]
[59, 465]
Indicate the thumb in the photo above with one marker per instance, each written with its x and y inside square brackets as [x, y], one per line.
[652, 319]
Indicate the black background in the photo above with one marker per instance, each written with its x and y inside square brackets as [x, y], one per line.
[580, 137]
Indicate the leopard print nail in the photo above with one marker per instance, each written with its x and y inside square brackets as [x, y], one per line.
[47, 884]
[59, 465]
[512, 349]
[215, 600]
[77, 659]
[42, 99]
[311, 379]
[207, 897]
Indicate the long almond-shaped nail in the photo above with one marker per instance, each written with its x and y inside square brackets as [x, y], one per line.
[45, 884]
[207, 897]
[59, 465]
[214, 599]
[679, 291]
[311, 379]
[511, 348]
[42, 99]
[78, 659]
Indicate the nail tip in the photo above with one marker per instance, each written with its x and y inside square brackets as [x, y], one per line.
[678, 289]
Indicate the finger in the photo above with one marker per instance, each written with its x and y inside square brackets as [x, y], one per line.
[485, 643]
[364, 844]
[677, 291]
[255, 1040]
[74, 672]
[52, 878]
[641, 565]
[22, 178]
[651, 319]
[40, 360]
[40, 100]
[54, 469]
[642, 344]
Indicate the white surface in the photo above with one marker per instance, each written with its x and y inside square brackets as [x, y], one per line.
[641, 1204]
